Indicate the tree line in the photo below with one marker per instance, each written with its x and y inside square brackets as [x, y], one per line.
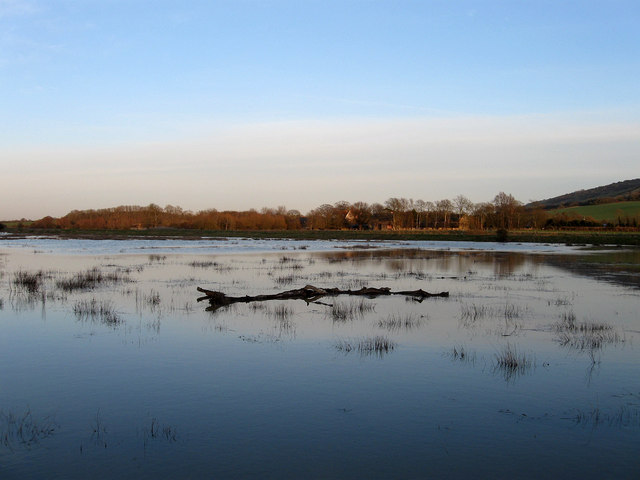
[504, 212]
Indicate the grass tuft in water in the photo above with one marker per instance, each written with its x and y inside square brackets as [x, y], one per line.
[93, 309]
[27, 281]
[460, 353]
[397, 322]
[471, 313]
[284, 280]
[155, 431]
[90, 279]
[280, 312]
[511, 363]
[24, 429]
[624, 416]
[219, 267]
[585, 336]
[347, 311]
[377, 345]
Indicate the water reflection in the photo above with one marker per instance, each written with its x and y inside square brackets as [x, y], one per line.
[145, 382]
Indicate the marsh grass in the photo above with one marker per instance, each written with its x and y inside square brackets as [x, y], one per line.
[256, 306]
[99, 431]
[460, 354]
[91, 279]
[471, 313]
[152, 298]
[348, 311]
[28, 282]
[209, 264]
[289, 279]
[512, 363]
[202, 264]
[282, 315]
[624, 416]
[155, 258]
[157, 431]
[396, 322]
[560, 301]
[417, 275]
[280, 312]
[147, 300]
[512, 311]
[24, 429]
[377, 345]
[289, 262]
[585, 336]
[102, 311]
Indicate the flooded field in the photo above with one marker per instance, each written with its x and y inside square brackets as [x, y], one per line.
[111, 368]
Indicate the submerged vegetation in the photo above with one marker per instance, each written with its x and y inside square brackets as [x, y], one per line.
[102, 311]
[90, 279]
[377, 345]
[396, 322]
[24, 429]
[347, 311]
[585, 336]
[460, 353]
[511, 363]
[28, 281]
[624, 416]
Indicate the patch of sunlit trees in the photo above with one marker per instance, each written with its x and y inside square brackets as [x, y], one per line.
[504, 212]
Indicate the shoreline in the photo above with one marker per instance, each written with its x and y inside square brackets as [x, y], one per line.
[619, 238]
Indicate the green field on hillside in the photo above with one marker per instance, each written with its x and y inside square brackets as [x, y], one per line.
[608, 211]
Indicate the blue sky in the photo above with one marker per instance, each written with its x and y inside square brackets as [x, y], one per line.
[251, 103]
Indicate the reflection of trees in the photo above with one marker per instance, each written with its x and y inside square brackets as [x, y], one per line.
[618, 267]
[397, 260]
[621, 267]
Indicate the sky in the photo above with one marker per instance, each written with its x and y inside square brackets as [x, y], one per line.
[239, 104]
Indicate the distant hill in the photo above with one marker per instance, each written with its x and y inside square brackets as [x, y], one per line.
[613, 213]
[626, 190]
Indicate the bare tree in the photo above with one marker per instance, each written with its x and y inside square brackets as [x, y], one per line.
[462, 205]
[444, 208]
[482, 214]
[420, 207]
[397, 206]
[362, 214]
[506, 210]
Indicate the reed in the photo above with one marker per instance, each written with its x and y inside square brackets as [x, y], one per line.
[24, 429]
[377, 345]
[585, 336]
[28, 281]
[460, 353]
[90, 279]
[347, 311]
[397, 322]
[280, 312]
[511, 363]
[93, 309]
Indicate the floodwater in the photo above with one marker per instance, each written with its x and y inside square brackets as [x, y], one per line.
[111, 368]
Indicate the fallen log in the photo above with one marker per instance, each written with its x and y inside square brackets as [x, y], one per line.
[309, 293]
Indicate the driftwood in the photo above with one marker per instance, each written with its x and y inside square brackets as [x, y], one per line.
[309, 293]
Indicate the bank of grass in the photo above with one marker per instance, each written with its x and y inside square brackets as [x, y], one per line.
[609, 212]
[576, 237]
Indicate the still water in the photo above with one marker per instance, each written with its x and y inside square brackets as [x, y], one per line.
[111, 368]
